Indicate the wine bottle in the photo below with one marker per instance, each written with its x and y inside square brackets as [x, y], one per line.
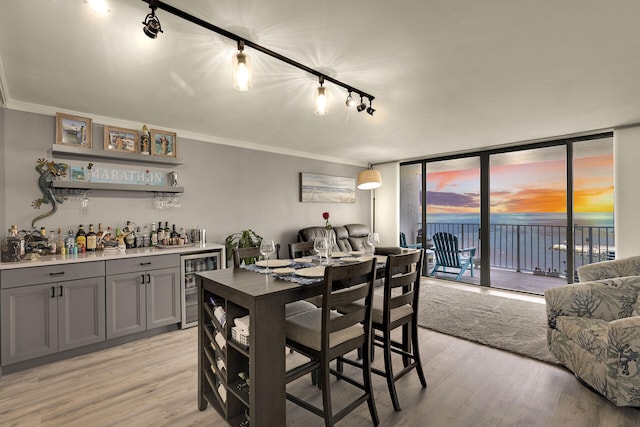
[154, 235]
[91, 239]
[174, 233]
[99, 236]
[160, 233]
[81, 239]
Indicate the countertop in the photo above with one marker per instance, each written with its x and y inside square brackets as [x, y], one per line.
[102, 256]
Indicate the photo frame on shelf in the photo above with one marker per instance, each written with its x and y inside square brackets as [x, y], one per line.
[73, 130]
[163, 143]
[325, 188]
[120, 139]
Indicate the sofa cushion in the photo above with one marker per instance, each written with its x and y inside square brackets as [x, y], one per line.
[358, 235]
[588, 333]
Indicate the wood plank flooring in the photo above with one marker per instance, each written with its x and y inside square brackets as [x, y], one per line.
[152, 382]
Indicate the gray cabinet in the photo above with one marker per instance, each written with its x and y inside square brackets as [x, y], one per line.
[142, 293]
[41, 319]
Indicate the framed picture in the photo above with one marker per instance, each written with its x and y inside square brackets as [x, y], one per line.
[120, 139]
[163, 143]
[325, 188]
[77, 173]
[73, 130]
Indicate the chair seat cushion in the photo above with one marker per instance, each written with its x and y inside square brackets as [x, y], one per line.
[588, 333]
[297, 307]
[305, 328]
[376, 309]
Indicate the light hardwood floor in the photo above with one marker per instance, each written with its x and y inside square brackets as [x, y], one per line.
[152, 382]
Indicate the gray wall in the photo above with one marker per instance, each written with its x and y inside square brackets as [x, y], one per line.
[227, 189]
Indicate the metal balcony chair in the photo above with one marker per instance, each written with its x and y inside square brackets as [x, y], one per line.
[448, 255]
[324, 335]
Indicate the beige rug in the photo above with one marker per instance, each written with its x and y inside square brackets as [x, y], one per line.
[505, 323]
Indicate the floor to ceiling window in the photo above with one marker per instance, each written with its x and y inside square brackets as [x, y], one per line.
[548, 209]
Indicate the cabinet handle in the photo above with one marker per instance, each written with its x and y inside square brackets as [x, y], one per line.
[59, 273]
[53, 292]
[148, 278]
[60, 294]
[145, 263]
[142, 278]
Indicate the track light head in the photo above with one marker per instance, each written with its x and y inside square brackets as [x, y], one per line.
[361, 106]
[370, 109]
[321, 107]
[350, 102]
[242, 80]
[151, 23]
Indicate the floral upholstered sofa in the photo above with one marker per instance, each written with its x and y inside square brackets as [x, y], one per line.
[594, 328]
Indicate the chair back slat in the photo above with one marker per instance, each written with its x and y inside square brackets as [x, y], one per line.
[446, 249]
[246, 253]
[402, 288]
[343, 285]
[300, 249]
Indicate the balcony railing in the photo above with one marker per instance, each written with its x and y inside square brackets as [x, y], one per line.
[534, 248]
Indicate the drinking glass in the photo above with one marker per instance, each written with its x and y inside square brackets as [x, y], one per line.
[373, 239]
[318, 246]
[267, 247]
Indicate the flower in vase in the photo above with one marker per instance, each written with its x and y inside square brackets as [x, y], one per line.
[327, 224]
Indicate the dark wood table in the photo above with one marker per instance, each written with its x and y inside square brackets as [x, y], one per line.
[264, 297]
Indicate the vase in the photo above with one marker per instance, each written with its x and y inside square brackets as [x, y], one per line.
[330, 238]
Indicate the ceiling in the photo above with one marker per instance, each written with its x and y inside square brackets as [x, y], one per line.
[447, 75]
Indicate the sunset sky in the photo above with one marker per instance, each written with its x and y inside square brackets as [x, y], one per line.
[525, 187]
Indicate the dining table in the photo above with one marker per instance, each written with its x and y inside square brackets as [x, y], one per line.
[261, 295]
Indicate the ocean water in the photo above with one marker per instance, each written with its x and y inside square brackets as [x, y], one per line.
[585, 219]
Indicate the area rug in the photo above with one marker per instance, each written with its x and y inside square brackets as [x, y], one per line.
[504, 323]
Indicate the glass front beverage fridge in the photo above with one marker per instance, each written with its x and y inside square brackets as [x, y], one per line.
[189, 266]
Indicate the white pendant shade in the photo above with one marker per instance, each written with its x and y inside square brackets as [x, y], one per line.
[369, 179]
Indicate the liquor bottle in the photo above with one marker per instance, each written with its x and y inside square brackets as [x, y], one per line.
[99, 236]
[160, 233]
[52, 243]
[183, 236]
[81, 240]
[167, 230]
[70, 242]
[60, 243]
[91, 239]
[108, 236]
[145, 237]
[154, 235]
[174, 233]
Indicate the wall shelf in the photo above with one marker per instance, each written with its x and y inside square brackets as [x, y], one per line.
[85, 185]
[71, 151]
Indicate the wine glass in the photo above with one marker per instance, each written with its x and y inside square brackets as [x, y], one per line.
[373, 239]
[320, 246]
[267, 247]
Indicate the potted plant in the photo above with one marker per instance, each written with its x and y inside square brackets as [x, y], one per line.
[242, 239]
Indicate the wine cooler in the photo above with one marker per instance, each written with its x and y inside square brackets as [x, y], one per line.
[189, 266]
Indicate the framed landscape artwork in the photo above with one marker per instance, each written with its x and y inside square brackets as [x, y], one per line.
[120, 139]
[73, 130]
[163, 143]
[325, 188]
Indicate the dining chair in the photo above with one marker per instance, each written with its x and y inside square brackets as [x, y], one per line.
[324, 335]
[250, 253]
[300, 249]
[396, 307]
[448, 255]
[291, 308]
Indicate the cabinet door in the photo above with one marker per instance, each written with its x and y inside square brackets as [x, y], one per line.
[163, 297]
[81, 312]
[126, 304]
[29, 322]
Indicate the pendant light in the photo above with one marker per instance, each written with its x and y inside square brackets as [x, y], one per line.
[369, 179]
[321, 107]
[242, 81]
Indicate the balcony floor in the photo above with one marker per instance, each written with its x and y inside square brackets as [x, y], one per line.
[511, 280]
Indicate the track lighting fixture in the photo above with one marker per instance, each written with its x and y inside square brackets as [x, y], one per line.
[361, 106]
[322, 108]
[151, 23]
[242, 81]
[241, 63]
[350, 102]
[370, 110]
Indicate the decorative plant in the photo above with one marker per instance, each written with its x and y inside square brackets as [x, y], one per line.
[243, 239]
[327, 224]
